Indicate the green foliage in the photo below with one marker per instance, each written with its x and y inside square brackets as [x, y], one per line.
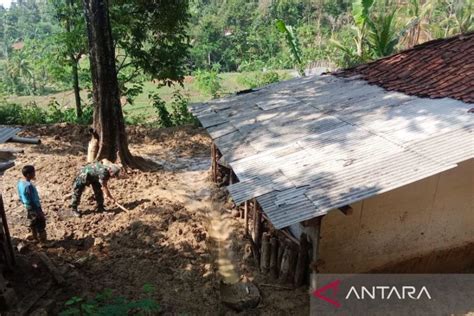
[382, 36]
[259, 79]
[173, 114]
[293, 43]
[31, 114]
[106, 303]
[151, 39]
[208, 81]
[135, 119]
[375, 35]
[164, 117]
[41, 41]
[179, 112]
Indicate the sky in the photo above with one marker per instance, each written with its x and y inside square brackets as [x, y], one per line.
[5, 3]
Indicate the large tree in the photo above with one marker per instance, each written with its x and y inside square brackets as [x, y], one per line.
[108, 117]
[152, 36]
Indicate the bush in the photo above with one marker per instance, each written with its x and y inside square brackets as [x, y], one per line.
[208, 81]
[164, 117]
[136, 119]
[106, 303]
[180, 114]
[173, 114]
[31, 114]
[255, 80]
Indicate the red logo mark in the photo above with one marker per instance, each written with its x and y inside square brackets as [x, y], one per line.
[334, 287]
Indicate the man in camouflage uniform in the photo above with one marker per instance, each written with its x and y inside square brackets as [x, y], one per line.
[95, 175]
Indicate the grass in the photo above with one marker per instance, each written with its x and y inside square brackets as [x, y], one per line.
[141, 105]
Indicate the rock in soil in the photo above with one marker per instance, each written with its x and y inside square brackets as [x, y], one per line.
[240, 296]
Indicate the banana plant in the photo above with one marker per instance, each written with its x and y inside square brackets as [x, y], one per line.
[293, 44]
[361, 15]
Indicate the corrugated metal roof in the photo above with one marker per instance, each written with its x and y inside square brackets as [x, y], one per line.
[7, 132]
[310, 145]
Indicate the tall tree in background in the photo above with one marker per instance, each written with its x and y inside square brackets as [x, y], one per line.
[71, 40]
[108, 117]
[151, 42]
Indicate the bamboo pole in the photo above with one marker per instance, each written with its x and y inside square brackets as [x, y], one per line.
[246, 217]
[257, 224]
[254, 218]
[274, 256]
[293, 256]
[281, 250]
[302, 262]
[285, 264]
[265, 253]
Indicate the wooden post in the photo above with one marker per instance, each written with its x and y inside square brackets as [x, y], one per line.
[265, 253]
[6, 230]
[302, 262]
[285, 264]
[257, 224]
[246, 217]
[254, 218]
[292, 263]
[281, 249]
[274, 256]
[314, 231]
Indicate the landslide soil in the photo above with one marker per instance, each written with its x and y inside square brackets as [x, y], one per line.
[165, 239]
[161, 241]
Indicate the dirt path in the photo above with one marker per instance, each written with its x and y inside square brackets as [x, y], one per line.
[193, 188]
[219, 231]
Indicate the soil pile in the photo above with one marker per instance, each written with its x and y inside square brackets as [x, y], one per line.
[160, 241]
[164, 240]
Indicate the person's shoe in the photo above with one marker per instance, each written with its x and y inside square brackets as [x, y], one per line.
[43, 238]
[101, 208]
[34, 236]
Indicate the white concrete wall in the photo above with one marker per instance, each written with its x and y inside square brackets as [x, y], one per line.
[426, 217]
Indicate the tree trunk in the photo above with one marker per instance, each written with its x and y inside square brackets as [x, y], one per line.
[75, 68]
[108, 117]
[75, 84]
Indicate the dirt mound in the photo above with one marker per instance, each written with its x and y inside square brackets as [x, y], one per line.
[163, 240]
[160, 241]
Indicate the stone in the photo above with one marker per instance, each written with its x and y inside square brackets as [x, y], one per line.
[240, 296]
[22, 247]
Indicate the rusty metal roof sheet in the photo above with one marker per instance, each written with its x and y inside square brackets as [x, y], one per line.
[306, 146]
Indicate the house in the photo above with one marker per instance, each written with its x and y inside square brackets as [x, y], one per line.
[374, 163]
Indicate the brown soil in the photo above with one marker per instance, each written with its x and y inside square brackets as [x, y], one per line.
[163, 240]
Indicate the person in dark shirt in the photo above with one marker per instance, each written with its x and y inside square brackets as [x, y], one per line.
[95, 175]
[30, 199]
